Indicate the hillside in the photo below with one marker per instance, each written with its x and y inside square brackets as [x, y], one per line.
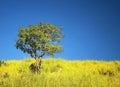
[60, 73]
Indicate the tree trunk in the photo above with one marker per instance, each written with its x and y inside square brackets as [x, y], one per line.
[38, 65]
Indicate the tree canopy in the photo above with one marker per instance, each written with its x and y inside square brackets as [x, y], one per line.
[39, 40]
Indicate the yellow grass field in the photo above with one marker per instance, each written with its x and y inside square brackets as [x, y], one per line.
[60, 73]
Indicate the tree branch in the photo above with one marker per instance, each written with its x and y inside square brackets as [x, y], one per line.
[42, 54]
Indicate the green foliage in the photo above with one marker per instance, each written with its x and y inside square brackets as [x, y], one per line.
[38, 40]
[33, 67]
[2, 63]
[61, 73]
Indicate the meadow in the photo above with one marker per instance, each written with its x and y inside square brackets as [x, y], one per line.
[60, 73]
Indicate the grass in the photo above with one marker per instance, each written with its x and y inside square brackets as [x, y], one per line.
[60, 73]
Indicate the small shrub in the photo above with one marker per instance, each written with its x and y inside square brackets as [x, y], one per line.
[106, 72]
[2, 63]
[6, 75]
[33, 68]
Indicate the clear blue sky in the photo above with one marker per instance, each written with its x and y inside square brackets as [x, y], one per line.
[91, 27]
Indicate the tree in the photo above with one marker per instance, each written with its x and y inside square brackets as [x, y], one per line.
[39, 40]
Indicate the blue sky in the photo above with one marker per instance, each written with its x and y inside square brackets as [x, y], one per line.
[91, 27]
